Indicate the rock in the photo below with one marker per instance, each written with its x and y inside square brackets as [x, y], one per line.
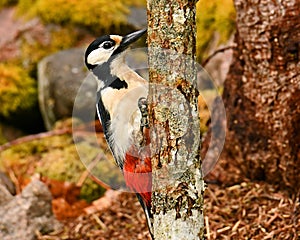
[27, 214]
[59, 78]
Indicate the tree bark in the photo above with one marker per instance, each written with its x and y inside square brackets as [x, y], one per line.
[177, 182]
[262, 92]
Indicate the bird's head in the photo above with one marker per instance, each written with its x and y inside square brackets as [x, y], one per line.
[104, 49]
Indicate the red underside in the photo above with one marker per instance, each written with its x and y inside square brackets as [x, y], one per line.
[137, 172]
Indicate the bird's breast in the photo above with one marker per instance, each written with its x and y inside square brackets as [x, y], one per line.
[125, 116]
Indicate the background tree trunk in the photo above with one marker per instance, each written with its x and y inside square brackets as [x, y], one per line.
[175, 138]
[262, 93]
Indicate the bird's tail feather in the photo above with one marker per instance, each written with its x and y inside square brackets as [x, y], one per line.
[148, 214]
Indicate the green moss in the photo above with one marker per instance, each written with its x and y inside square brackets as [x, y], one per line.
[56, 158]
[24, 6]
[215, 16]
[60, 165]
[18, 90]
[90, 191]
[94, 14]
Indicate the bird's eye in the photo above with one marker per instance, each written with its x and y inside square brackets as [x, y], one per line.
[107, 45]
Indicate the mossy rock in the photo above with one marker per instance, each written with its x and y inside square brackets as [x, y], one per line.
[57, 158]
[18, 92]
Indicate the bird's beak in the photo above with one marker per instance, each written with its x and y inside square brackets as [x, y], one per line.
[132, 37]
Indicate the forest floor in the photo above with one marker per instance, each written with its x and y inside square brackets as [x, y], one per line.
[234, 206]
[248, 210]
[233, 209]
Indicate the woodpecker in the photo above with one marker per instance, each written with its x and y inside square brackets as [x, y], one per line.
[122, 110]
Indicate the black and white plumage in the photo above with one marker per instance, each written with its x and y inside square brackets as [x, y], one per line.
[119, 94]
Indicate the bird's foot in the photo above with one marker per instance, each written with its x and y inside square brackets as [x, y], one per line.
[143, 106]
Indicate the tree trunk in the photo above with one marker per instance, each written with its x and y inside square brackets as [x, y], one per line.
[262, 92]
[177, 184]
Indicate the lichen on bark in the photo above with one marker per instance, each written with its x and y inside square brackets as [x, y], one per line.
[178, 186]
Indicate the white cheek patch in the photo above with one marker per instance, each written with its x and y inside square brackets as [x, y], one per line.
[98, 56]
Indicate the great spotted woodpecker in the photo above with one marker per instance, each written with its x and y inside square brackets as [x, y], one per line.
[122, 110]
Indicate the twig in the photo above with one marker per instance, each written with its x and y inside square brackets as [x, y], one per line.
[39, 136]
[98, 220]
[82, 178]
[236, 225]
[14, 179]
[99, 182]
[224, 229]
[78, 227]
[207, 227]
[32, 137]
[271, 220]
[213, 196]
[89, 168]
[216, 52]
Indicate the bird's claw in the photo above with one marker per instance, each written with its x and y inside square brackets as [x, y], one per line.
[143, 106]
